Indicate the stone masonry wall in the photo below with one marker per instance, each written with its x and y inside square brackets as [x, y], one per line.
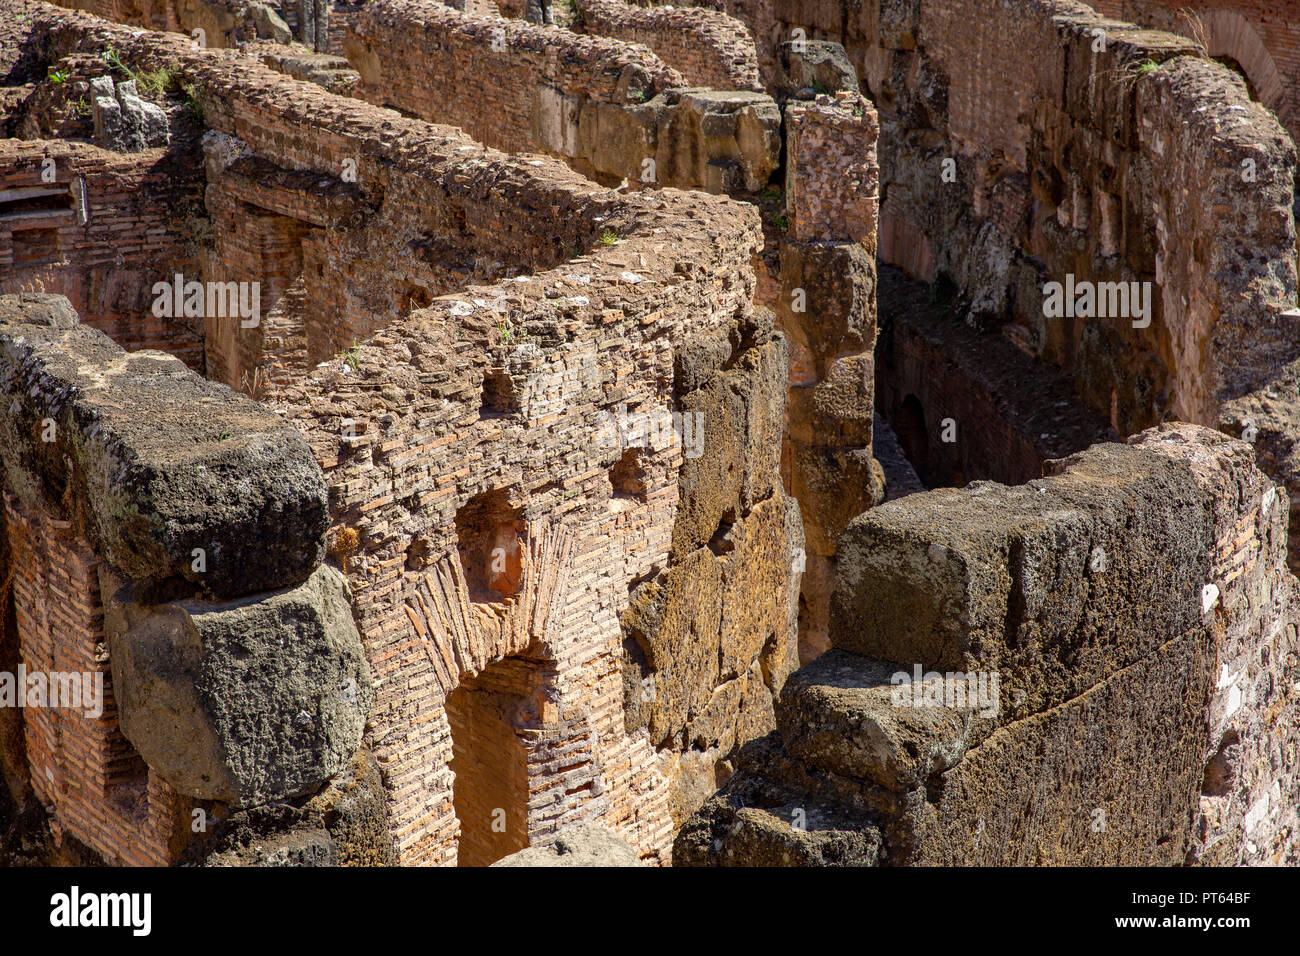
[1262, 37]
[827, 306]
[1137, 609]
[1246, 815]
[1123, 155]
[224, 23]
[707, 47]
[1084, 165]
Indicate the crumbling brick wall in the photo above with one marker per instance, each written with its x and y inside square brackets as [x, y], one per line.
[540, 400]
[302, 205]
[677, 546]
[100, 231]
[613, 109]
[708, 48]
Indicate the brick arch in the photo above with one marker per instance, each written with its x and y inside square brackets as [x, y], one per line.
[1232, 35]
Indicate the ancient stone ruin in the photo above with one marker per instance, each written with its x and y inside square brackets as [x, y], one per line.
[749, 433]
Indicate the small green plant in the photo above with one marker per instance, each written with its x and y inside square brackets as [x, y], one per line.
[1145, 67]
[780, 221]
[156, 84]
[506, 333]
[193, 108]
[352, 359]
[58, 76]
[608, 238]
[225, 435]
[638, 96]
[115, 63]
[821, 88]
[772, 192]
[80, 107]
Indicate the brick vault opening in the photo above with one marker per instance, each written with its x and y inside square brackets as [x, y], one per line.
[490, 761]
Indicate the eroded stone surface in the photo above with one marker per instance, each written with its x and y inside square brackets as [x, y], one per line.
[246, 701]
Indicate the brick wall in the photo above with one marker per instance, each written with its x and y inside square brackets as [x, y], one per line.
[89, 776]
[111, 226]
[486, 76]
[400, 485]
[708, 48]
[612, 109]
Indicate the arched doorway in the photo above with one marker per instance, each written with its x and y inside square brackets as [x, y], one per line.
[490, 760]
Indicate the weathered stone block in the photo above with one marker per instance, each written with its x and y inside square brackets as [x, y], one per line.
[838, 714]
[246, 701]
[582, 844]
[821, 66]
[178, 476]
[1055, 584]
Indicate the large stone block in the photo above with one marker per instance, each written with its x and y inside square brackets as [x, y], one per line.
[174, 476]
[245, 701]
[820, 66]
[697, 128]
[1055, 584]
[839, 714]
[828, 299]
[740, 419]
[702, 626]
